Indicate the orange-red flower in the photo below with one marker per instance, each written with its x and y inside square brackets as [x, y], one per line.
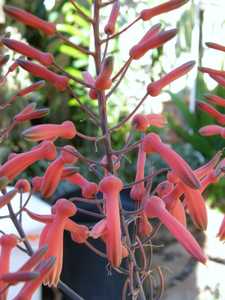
[60, 82]
[214, 99]
[7, 242]
[110, 26]
[88, 189]
[211, 130]
[137, 191]
[30, 113]
[154, 88]
[45, 59]
[53, 174]
[216, 46]
[111, 186]
[33, 87]
[20, 162]
[29, 19]
[66, 130]
[103, 80]
[153, 143]
[142, 122]
[147, 14]
[155, 208]
[152, 41]
[220, 118]
[52, 235]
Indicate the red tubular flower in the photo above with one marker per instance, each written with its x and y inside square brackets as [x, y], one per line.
[20, 162]
[44, 269]
[88, 189]
[153, 143]
[196, 207]
[220, 118]
[33, 87]
[79, 233]
[30, 113]
[219, 79]
[155, 88]
[60, 82]
[45, 59]
[211, 130]
[137, 191]
[212, 71]
[52, 176]
[7, 242]
[142, 122]
[29, 19]
[23, 185]
[103, 80]
[147, 14]
[111, 186]
[170, 195]
[211, 178]
[215, 100]
[155, 41]
[155, 29]
[155, 208]
[144, 226]
[201, 172]
[52, 235]
[221, 233]
[66, 130]
[178, 212]
[110, 26]
[216, 46]
[194, 202]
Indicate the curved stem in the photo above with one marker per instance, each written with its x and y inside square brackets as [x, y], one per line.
[130, 115]
[79, 48]
[101, 95]
[122, 31]
[76, 79]
[92, 115]
[119, 81]
[80, 12]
